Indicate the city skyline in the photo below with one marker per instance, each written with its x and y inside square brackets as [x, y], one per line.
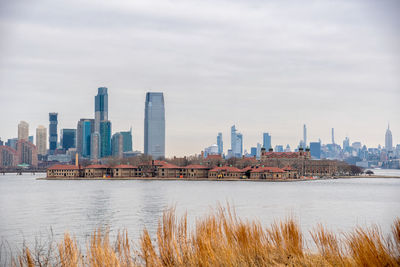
[326, 65]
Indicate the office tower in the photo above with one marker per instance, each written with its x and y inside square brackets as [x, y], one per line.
[154, 125]
[346, 144]
[84, 130]
[8, 157]
[278, 148]
[220, 144]
[315, 150]
[127, 141]
[53, 132]
[12, 142]
[30, 139]
[94, 146]
[305, 136]
[267, 141]
[388, 140]
[117, 145]
[105, 139]
[287, 149]
[101, 107]
[253, 151]
[236, 142]
[23, 131]
[333, 135]
[211, 150]
[41, 140]
[27, 153]
[258, 155]
[68, 138]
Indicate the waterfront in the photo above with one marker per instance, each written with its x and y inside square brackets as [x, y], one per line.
[30, 207]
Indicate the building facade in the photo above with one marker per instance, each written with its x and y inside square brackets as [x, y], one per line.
[27, 153]
[117, 145]
[53, 137]
[127, 141]
[267, 141]
[68, 138]
[101, 107]
[154, 125]
[220, 144]
[84, 129]
[41, 140]
[315, 150]
[23, 131]
[388, 140]
[105, 139]
[8, 157]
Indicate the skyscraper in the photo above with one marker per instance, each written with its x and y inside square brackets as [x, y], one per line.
[315, 150]
[220, 144]
[23, 131]
[267, 141]
[333, 136]
[101, 107]
[117, 145]
[236, 142]
[41, 140]
[388, 139]
[154, 125]
[53, 132]
[105, 139]
[127, 141]
[304, 136]
[68, 138]
[84, 130]
[94, 146]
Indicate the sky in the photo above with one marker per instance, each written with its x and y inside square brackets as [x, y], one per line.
[265, 66]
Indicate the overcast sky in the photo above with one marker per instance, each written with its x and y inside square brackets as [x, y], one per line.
[265, 66]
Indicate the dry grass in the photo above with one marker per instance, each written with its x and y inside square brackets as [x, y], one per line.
[222, 239]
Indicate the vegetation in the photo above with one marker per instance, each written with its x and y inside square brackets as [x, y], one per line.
[221, 239]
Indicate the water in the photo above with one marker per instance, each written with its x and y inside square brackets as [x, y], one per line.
[29, 208]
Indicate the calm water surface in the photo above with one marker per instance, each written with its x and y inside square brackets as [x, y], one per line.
[30, 208]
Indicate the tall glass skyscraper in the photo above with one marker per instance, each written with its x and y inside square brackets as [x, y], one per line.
[127, 140]
[236, 143]
[267, 141]
[154, 125]
[68, 138]
[100, 107]
[105, 139]
[220, 144]
[84, 130]
[53, 132]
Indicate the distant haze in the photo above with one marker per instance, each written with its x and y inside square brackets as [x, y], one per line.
[265, 66]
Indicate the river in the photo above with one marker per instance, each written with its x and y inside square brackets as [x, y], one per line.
[29, 208]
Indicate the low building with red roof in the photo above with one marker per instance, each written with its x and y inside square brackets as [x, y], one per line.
[195, 171]
[65, 171]
[225, 172]
[168, 170]
[97, 170]
[124, 171]
[268, 173]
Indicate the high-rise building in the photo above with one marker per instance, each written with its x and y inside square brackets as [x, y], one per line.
[101, 107]
[278, 148]
[8, 157]
[267, 141]
[1, 143]
[68, 138]
[41, 140]
[27, 153]
[127, 141]
[253, 151]
[53, 132]
[117, 145]
[30, 138]
[258, 155]
[388, 139]
[346, 144]
[304, 136]
[333, 136]
[23, 131]
[154, 125]
[105, 139]
[84, 130]
[315, 150]
[236, 142]
[95, 146]
[12, 142]
[220, 144]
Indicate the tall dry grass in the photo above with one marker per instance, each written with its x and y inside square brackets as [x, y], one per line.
[222, 239]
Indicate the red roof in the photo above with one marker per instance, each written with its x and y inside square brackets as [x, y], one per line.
[169, 166]
[124, 166]
[96, 166]
[288, 168]
[281, 154]
[218, 156]
[226, 168]
[248, 168]
[63, 167]
[268, 169]
[196, 166]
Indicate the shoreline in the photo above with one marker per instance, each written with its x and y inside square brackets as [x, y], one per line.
[206, 179]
